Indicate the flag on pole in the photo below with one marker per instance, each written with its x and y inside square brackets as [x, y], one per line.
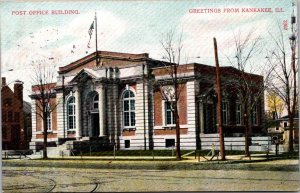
[90, 33]
[91, 29]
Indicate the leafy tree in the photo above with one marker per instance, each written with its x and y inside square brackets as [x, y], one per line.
[275, 104]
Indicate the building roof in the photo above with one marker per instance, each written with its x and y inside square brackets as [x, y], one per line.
[286, 117]
[105, 55]
[26, 107]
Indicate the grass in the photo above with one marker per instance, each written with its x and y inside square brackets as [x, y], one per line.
[260, 165]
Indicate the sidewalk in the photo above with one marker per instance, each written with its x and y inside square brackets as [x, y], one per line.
[234, 162]
[229, 158]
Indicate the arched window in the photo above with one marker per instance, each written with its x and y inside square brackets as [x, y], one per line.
[96, 102]
[71, 113]
[128, 109]
[48, 118]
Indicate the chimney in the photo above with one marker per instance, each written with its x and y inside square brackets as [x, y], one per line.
[3, 81]
[18, 91]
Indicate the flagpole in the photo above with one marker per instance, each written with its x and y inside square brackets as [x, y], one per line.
[97, 59]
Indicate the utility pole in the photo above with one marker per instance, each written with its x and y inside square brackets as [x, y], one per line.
[292, 108]
[219, 115]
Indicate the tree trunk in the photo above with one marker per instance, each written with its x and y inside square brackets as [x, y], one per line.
[291, 136]
[45, 156]
[246, 124]
[178, 152]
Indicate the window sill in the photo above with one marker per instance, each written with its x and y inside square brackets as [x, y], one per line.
[48, 132]
[129, 128]
[169, 126]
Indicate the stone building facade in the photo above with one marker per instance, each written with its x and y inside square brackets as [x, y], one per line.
[119, 99]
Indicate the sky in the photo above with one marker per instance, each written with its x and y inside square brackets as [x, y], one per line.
[130, 27]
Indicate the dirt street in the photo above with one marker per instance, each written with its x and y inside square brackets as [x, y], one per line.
[38, 179]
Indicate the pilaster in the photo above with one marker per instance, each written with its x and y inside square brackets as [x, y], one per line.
[101, 92]
[78, 113]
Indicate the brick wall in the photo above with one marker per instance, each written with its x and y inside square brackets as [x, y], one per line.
[13, 128]
[39, 120]
[170, 131]
[182, 106]
[158, 120]
[128, 133]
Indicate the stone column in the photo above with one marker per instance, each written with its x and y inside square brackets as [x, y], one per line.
[201, 117]
[101, 107]
[78, 113]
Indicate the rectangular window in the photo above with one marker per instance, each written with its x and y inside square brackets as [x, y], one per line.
[169, 114]
[129, 112]
[238, 114]
[4, 133]
[7, 102]
[127, 143]
[71, 114]
[17, 116]
[4, 116]
[254, 115]
[126, 119]
[10, 116]
[126, 105]
[132, 118]
[209, 117]
[225, 113]
[49, 122]
[170, 142]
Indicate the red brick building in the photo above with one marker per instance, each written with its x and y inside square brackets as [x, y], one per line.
[15, 134]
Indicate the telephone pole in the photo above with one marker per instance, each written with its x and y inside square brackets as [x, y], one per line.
[219, 114]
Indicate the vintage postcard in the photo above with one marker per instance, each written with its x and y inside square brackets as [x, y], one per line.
[149, 96]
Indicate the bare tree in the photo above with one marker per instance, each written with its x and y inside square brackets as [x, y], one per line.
[285, 74]
[170, 90]
[248, 87]
[43, 91]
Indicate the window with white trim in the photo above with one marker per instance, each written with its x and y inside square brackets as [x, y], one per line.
[128, 109]
[48, 118]
[254, 115]
[225, 113]
[238, 114]
[96, 102]
[71, 113]
[169, 114]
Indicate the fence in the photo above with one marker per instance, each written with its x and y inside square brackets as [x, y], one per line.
[165, 147]
[16, 154]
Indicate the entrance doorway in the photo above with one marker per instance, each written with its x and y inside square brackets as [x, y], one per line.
[95, 124]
